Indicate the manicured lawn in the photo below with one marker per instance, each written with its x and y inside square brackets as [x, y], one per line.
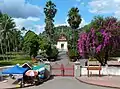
[15, 61]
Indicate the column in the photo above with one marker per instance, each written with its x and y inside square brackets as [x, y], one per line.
[48, 68]
[77, 69]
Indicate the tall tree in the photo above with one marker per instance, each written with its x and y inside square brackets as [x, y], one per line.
[6, 26]
[50, 11]
[17, 40]
[31, 43]
[74, 20]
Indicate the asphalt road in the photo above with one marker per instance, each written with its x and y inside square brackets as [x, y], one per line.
[64, 83]
[63, 58]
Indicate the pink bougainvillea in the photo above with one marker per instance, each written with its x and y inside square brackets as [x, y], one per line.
[102, 41]
[88, 43]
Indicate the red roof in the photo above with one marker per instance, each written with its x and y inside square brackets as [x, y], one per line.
[62, 38]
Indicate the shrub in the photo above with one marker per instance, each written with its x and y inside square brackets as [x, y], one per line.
[73, 55]
[52, 53]
[92, 59]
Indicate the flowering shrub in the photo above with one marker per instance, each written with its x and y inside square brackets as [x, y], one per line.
[95, 44]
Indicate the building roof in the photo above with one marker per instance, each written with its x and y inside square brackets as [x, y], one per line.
[27, 65]
[62, 37]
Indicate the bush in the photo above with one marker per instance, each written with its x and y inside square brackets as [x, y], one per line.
[52, 53]
[73, 55]
[92, 59]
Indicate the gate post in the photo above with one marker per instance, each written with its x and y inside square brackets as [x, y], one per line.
[48, 67]
[62, 70]
[73, 71]
[77, 69]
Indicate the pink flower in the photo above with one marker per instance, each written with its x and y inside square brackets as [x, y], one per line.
[98, 49]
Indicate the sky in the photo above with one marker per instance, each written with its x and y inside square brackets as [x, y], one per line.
[30, 13]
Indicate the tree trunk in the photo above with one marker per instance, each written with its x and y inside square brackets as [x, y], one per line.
[101, 60]
[9, 48]
[15, 46]
[6, 49]
[2, 51]
[106, 58]
[73, 38]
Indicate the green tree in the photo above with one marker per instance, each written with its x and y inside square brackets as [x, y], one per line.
[50, 11]
[31, 43]
[74, 20]
[6, 26]
[43, 41]
[17, 40]
[67, 31]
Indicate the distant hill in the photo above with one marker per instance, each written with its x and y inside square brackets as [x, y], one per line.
[66, 30]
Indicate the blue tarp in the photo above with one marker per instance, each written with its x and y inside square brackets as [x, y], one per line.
[15, 70]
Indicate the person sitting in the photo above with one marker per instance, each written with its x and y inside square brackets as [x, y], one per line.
[11, 76]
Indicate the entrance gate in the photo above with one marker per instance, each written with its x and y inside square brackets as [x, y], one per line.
[61, 70]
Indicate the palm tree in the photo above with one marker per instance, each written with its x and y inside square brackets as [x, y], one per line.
[17, 39]
[74, 20]
[1, 45]
[50, 11]
[7, 25]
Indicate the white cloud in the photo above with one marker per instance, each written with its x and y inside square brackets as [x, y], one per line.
[39, 28]
[61, 24]
[79, 2]
[30, 24]
[24, 14]
[83, 23]
[20, 8]
[21, 22]
[33, 19]
[105, 6]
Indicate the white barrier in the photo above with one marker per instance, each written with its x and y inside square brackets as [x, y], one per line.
[105, 71]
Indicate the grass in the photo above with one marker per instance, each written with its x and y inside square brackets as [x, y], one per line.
[18, 60]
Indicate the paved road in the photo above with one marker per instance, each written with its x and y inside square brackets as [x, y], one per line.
[64, 59]
[65, 83]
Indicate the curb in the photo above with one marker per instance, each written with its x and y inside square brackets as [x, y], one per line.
[96, 84]
[4, 67]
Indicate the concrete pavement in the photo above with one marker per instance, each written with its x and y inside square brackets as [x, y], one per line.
[65, 83]
[106, 81]
[68, 83]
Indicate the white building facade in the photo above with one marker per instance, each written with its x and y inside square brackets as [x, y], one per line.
[62, 44]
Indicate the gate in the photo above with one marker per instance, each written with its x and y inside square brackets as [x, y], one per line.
[69, 70]
[61, 70]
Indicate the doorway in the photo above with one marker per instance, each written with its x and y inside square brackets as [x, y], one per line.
[62, 46]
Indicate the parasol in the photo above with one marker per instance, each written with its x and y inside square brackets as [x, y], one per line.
[31, 73]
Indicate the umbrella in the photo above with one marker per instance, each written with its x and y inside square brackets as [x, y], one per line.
[31, 73]
[15, 70]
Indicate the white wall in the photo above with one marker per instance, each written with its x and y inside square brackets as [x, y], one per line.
[65, 45]
[104, 71]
